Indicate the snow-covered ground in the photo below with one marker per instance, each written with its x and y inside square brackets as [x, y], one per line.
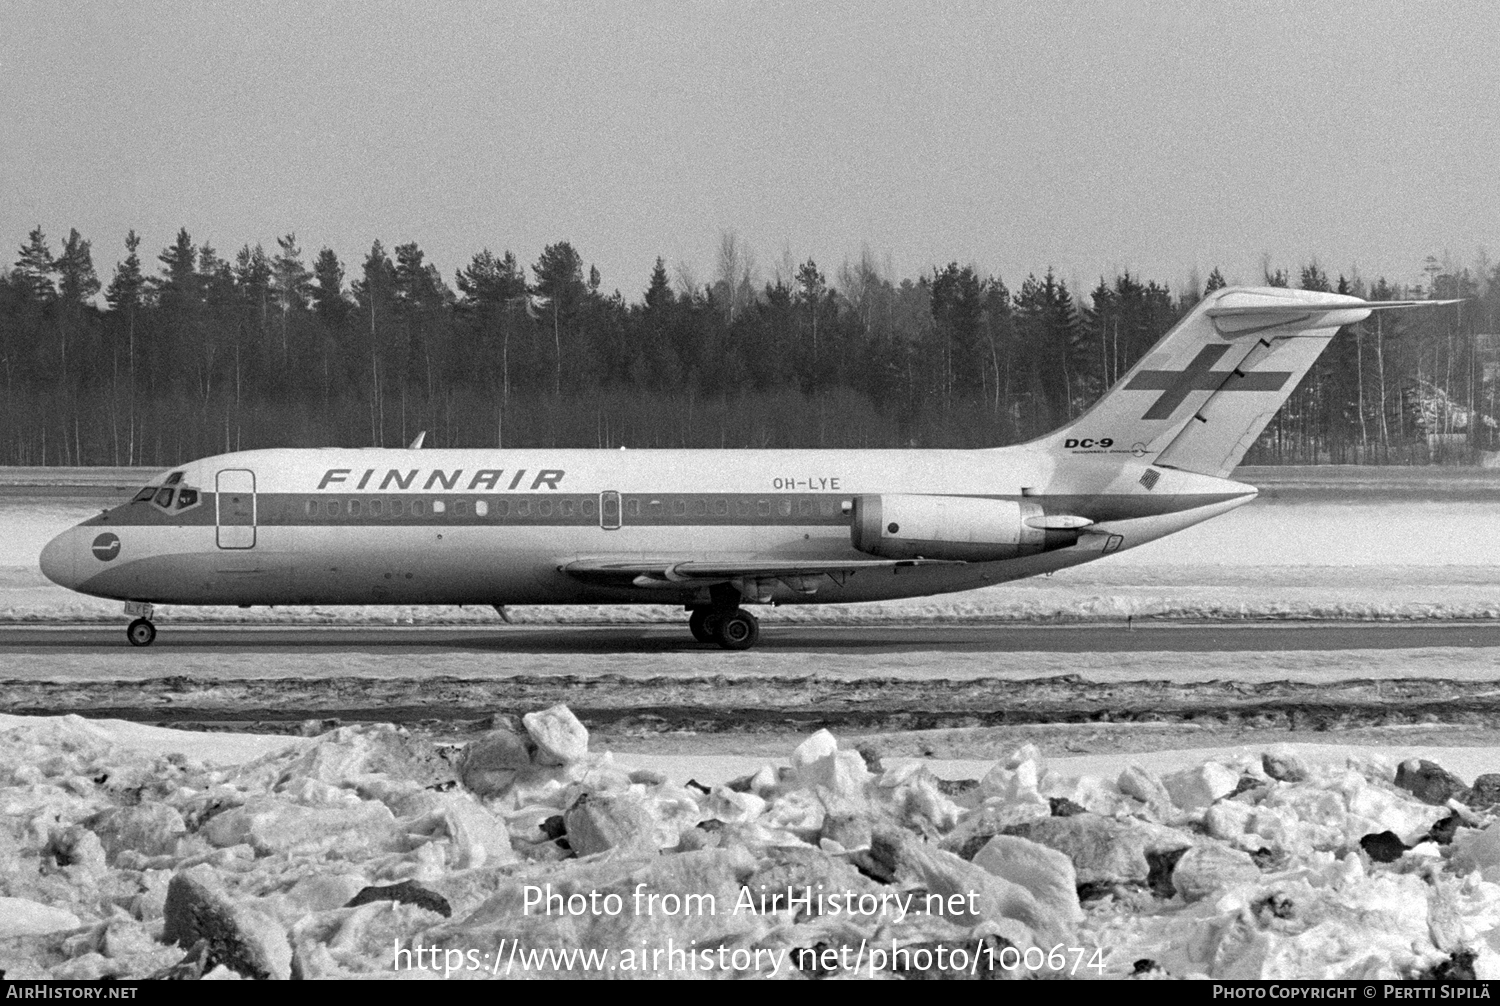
[1323, 543]
[224, 749]
[131, 852]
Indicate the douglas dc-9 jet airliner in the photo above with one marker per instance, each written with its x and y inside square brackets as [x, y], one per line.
[716, 530]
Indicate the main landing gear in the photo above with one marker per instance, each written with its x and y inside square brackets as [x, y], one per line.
[140, 632]
[731, 628]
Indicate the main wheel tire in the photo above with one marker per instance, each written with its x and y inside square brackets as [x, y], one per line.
[140, 633]
[737, 630]
[701, 623]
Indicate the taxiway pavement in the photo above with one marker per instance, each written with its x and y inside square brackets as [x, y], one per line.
[851, 639]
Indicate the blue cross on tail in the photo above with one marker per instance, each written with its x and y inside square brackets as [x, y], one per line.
[1176, 385]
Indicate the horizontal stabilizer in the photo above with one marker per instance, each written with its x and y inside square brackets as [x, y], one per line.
[1306, 309]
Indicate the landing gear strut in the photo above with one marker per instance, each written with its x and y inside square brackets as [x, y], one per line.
[723, 621]
[140, 633]
[732, 629]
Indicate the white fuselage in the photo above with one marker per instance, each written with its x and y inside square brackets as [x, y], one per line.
[379, 526]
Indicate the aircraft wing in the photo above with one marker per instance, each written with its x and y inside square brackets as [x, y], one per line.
[670, 572]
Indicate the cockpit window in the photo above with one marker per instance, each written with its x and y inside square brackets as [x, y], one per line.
[186, 498]
[163, 497]
[145, 494]
[174, 478]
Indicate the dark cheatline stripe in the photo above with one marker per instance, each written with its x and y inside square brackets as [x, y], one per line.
[582, 510]
[330, 509]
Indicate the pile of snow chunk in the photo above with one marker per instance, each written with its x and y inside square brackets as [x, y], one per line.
[368, 852]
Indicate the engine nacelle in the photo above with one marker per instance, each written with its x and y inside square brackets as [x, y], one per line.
[903, 526]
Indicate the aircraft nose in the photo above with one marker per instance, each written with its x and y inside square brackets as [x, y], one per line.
[59, 559]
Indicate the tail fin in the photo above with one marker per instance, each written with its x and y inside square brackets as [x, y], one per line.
[1206, 390]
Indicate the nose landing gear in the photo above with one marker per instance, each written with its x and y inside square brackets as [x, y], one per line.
[140, 633]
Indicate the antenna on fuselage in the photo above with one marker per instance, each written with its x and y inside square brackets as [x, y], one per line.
[418, 442]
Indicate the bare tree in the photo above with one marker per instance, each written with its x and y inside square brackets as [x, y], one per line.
[687, 280]
[784, 272]
[734, 273]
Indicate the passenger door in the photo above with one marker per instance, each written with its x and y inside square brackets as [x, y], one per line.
[234, 505]
[609, 510]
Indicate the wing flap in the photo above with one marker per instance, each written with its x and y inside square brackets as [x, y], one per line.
[702, 571]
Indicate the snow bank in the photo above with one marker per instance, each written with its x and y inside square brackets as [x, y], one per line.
[367, 852]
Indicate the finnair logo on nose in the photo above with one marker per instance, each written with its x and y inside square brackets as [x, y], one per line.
[106, 547]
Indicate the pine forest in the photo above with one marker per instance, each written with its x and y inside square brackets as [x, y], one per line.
[185, 352]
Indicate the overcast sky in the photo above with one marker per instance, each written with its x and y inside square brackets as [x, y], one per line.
[1089, 137]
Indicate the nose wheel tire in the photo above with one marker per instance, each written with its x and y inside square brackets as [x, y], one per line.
[702, 623]
[737, 630]
[140, 633]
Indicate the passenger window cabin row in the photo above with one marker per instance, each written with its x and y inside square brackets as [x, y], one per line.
[586, 507]
[171, 498]
[701, 506]
[398, 506]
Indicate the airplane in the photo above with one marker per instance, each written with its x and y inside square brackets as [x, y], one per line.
[716, 531]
